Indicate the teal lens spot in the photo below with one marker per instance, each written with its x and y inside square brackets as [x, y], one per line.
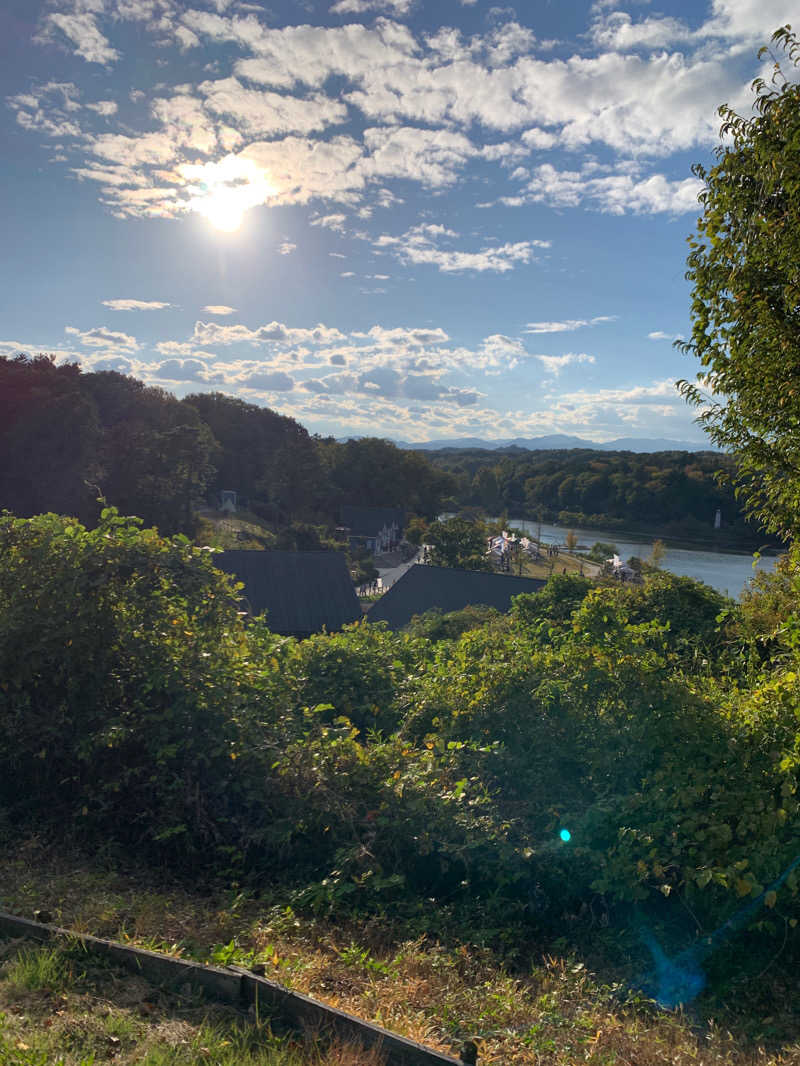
[565, 835]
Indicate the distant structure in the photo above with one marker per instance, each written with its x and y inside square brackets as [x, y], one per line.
[301, 592]
[718, 519]
[228, 501]
[505, 547]
[379, 529]
[616, 568]
[424, 588]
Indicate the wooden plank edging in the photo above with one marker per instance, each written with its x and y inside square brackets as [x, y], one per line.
[240, 988]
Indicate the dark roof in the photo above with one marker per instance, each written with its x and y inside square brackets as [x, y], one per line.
[423, 588]
[302, 592]
[369, 521]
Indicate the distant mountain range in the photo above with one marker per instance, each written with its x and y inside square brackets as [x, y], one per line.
[562, 440]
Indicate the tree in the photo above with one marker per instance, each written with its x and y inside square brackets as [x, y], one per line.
[743, 266]
[657, 554]
[156, 455]
[460, 543]
[49, 438]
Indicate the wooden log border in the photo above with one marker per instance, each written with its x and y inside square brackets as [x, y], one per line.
[239, 988]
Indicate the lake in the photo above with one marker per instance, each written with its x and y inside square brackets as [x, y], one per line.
[728, 572]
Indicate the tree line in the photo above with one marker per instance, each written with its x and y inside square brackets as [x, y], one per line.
[674, 493]
[68, 438]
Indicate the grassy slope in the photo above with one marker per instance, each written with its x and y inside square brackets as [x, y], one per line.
[60, 1006]
[559, 1010]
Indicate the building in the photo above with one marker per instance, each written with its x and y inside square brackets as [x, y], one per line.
[228, 501]
[301, 592]
[424, 588]
[379, 529]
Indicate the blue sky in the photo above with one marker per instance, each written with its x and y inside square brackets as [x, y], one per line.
[409, 218]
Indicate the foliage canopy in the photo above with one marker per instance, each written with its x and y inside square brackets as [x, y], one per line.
[743, 265]
[372, 768]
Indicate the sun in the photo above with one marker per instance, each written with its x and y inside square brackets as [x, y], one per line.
[224, 192]
[223, 211]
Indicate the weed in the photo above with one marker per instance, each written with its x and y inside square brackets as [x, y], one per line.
[38, 970]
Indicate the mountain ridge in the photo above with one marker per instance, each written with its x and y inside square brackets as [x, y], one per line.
[561, 441]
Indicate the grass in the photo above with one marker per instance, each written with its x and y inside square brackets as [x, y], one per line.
[240, 530]
[545, 567]
[547, 1004]
[59, 1007]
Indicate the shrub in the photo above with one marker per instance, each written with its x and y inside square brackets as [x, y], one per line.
[440, 625]
[124, 666]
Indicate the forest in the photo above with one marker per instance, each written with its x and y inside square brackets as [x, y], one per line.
[68, 438]
[70, 442]
[671, 494]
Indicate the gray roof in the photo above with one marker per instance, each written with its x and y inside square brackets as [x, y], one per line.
[423, 588]
[369, 521]
[302, 592]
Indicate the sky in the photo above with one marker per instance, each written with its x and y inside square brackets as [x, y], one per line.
[419, 219]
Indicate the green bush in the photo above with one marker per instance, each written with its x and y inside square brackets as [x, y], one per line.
[124, 666]
[366, 767]
[555, 602]
[440, 625]
[360, 673]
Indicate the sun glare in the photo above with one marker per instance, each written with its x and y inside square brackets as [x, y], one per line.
[222, 212]
[223, 192]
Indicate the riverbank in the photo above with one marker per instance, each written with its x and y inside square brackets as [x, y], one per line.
[677, 536]
[727, 572]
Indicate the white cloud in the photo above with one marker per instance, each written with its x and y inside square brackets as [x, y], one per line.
[311, 54]
[431, 157]
[614, 194]
[50, 109]
[81, 29]
[103, 107]
[430, 103]
[660, 335]
[749, 20]
[653, 408]
[618, 32]
[269, 113]
[568, 325]
[397, 8]
[268, 381]
[554, 364]
[213, 333]
[100, 337]
[185, 123]
[257, 130]
[401, 336]
[333, 221]
[180, 370]
[419, 245]
[219, 309]
[746, 21]
[286, 248]
[383, 379]
[135, 305]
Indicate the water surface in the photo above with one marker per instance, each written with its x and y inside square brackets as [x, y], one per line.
[728, 572]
